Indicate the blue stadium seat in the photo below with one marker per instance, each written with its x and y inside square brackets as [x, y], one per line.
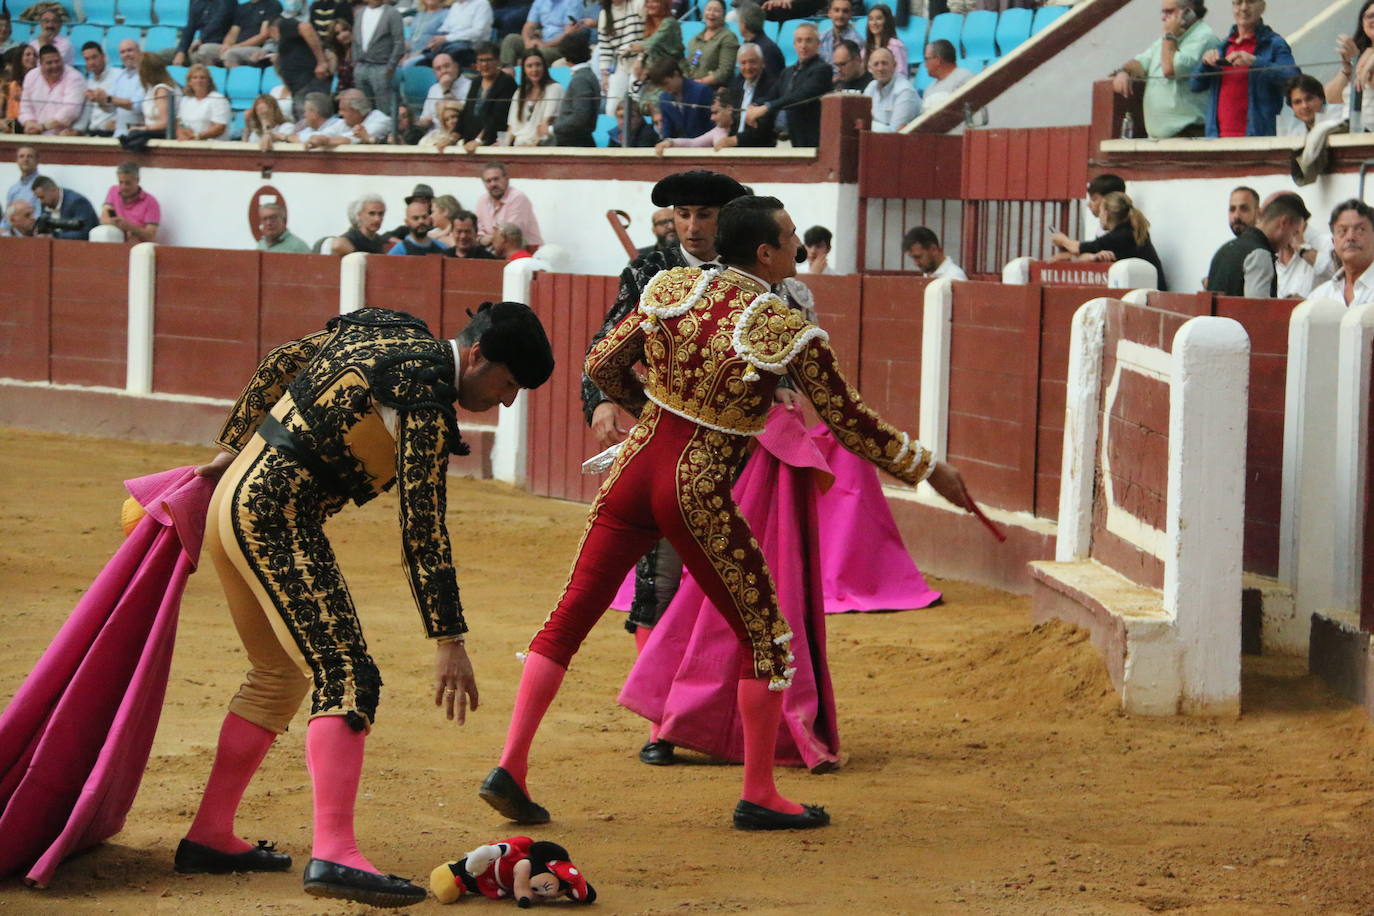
[117, 34]
[220, 77]
[100, 12]
[1046, 15]
[561, 75]
[602, 134]
[68, 6]
[978, 40]
[1013, 28]
[923, 78]
[947, 26]
[271, 79]
[22, 32]
[415, 83]
[913, 35]
[178, 75]
[136, 12]
[172, 12]
[691, 30]
[236, 125]
[243, 83]
[80, 34]
[160, 38]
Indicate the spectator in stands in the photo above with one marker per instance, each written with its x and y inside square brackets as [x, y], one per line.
[784, 10]
[19, 220]
[442, 213]
[300, 59]
[848, 63]
[536, 103]
[127, 206]
[318, 116]
[54, 96]
[755, 85]
[641, 130]
[710, 56]
[841, 14]
[486, 111]
[465, 244]
[1242, 209]
[417, 241]
[97, 120]
[1172, 108]
[449, 86]
[665, 231]
[323, 12]
[923, 247]
[724, 115]
[337, 41]
[421, 192]
[1245, 74]
[275, 236]
[1357, 66]
[504, 204]
[949, 76]
[684, 104]
[467, 25]
[50, 33]
[548, 23]
[426, 33]
[750, 24]
[582, 102]
[207, 23]
[882, 33]
[64, 204]
[365, 217]
[1352, 232]
[1296, 261]
[19, 62]
[203, 113]
[445, 133]
[264, 123]
[246, 39]
[620, 26]
[379, 41]
[816, 241]
[159, 95]
[662, 41]
[1099, 188]
[1127, 236]
[509, 16]
[6, 32]
[799, 90]
[358, 122]
[895, 102]
[26, 157]
[1244, 266]
[508, 242]
[1305, 95]
[126, 96]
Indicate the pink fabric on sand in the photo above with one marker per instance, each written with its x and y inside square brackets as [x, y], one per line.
[75, 739]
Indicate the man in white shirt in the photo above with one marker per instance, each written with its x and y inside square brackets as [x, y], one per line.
[895, 102]
[97, 118]
[467, 23]
[122, 96]
[358, 122]
[923, 247]
[451, 87]
[1352, 228]
[942, 64]
[318, 117]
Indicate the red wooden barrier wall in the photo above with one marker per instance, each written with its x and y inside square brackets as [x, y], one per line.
[90, 309]
[465, 285]
[205, 327]
[24, 321]
[888, 346]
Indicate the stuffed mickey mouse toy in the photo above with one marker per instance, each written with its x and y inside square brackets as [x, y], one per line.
[518, 868]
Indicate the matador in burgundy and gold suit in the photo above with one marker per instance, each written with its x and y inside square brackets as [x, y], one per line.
[714, 345]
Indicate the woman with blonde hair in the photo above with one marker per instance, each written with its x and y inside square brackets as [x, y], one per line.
[445, 131]
[443, 211]
[204, 112]
[265, 122]
[1127, 236]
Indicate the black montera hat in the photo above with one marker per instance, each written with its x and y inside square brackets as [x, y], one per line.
[516, 339]
[697, 188]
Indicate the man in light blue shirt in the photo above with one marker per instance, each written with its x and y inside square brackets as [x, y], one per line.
[26, 157]
[548, 23]
[895, 103]
[841, 13]
[1171, 108]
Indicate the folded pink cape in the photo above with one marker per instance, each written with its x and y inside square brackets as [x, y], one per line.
[75, 739]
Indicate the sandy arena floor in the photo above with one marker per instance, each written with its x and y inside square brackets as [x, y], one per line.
[988, 770]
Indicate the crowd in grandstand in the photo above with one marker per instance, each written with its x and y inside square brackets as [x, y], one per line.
[458, 74]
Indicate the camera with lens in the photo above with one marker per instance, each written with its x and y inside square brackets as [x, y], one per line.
[50, 223]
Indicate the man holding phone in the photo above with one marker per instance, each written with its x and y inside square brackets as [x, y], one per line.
[130, 208]
[1171, 109]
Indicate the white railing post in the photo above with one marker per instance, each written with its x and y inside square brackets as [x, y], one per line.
[1132, 273]
[1016, 272]
[138, 375]
[1087, 337]
[508, 452]
[1352, 442]
[352, 282]
[936, 330]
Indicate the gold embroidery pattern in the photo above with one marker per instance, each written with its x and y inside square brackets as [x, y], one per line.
[610, 365]
[723, 534]
[817, 374]
[265, 388]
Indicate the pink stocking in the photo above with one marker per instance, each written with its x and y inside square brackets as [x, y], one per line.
[242, 745]
[334, 754]
[761, 711]
[538, 686]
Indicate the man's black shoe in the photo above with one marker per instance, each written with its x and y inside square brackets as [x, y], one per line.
[657, 754]
[749, 816]
[343, 882]
[502, 792]
[195, 859]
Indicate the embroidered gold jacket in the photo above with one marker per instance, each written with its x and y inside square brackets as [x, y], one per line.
[338, 379]
[714, 345]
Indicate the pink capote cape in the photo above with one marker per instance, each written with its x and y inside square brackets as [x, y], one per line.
[680, 679]
[75, 739]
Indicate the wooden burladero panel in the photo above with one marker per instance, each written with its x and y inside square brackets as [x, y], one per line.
[90, 310]
[25, 320]
[205, 325]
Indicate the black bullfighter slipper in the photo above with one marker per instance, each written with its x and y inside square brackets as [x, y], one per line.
[502, 792]
[657, 754]
[749, 816]
[195, 859]
[343, 882]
